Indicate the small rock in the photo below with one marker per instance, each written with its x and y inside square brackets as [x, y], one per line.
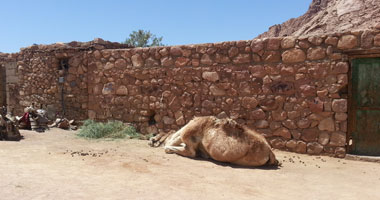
[304, 44]
[324, 138]
[316, 53]
[257, 45]
[122, 90]
[274, 125]
[293, 56]
[340, 152]
[331, 41]
[206, 59]
[181, 61]
[289, 124]
[179, 118]
[167, 61]
[341, 116]
[109, 66]
[108, 88]
[137, 60]
[296, 134]
[291, 144]
[315, 40]
[277, 143]
[220, 58]
[272, 56]
[327, 124]
[216, 91]
[307, 90]
[339, 105]
[233, 51]
[210, 76]
[288, 42]
[315, 105]
[293, 114]
[164, 52]
[257, 114]
[347, 42]
[120, 63]
[338, 139]
[168, 120]
[176, 51]
[367, 39]
[242, 58]
[309, 135]
[314, 148]
[301, 147]
[283, 132]
[340, 68]
[303, 123]
[257, 71]
[279, 115]
[273, 43]
[261, 124]
[249, 102]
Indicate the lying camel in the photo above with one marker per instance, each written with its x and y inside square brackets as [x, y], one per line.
[220, 139]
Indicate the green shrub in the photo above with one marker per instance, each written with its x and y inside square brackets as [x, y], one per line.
[111, 129]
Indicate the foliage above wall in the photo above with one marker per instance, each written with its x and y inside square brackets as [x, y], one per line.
[143, 38]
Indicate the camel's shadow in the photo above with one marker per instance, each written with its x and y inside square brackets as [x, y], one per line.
[231, 165]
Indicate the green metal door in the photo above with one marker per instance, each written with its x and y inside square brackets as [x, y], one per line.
[365, 107]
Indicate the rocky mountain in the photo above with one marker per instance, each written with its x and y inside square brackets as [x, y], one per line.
[330, 16]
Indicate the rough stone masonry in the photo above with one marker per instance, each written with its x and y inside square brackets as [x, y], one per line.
[294, 91]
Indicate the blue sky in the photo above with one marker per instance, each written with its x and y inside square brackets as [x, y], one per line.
[24, 22]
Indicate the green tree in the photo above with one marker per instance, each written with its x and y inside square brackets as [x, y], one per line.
[143, 38]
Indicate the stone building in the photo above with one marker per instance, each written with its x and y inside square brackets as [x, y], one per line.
[296, 91]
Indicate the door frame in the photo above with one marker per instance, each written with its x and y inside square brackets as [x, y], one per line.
[351, 121]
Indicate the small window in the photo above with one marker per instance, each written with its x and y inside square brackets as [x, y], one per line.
[63, 64]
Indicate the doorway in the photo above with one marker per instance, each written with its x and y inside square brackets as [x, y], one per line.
[365, 107]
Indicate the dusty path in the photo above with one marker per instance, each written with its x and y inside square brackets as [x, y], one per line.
[58, 165]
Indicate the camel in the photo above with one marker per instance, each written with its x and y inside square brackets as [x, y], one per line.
[223, 140]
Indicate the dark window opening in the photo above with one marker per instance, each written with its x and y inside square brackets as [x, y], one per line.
[63, 64]
[152, 121]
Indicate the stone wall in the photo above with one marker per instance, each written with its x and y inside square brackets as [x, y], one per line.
[3, 62]
[39, 77]
[292, 90]
[38, 70]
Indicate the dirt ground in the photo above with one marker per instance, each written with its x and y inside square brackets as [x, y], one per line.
[58, 165]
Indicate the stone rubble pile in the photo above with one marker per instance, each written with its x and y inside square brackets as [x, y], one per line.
[64, 124]
[37, 120]
[8, 126]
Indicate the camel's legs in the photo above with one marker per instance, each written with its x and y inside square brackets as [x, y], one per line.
[178, 146]
[174, 140]
[183, 150]
[157, 140]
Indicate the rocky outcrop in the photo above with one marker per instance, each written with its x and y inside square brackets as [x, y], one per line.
[330, 16]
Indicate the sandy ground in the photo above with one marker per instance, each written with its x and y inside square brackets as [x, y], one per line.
[58, 165]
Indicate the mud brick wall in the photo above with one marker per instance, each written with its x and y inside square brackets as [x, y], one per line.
[294, 91]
